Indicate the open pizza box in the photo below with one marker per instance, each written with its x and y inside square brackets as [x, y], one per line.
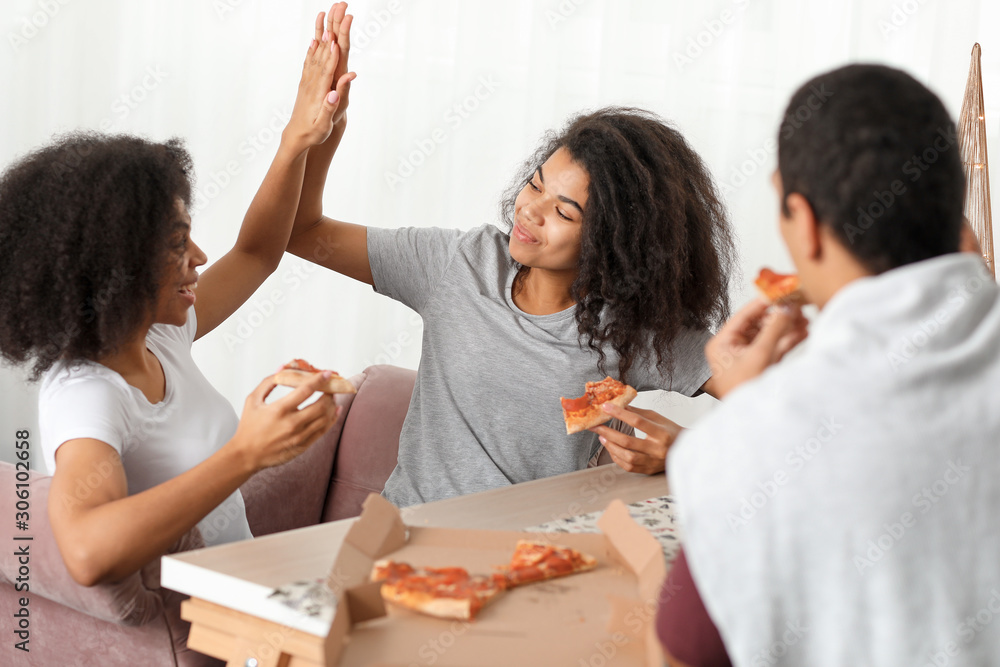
[601, 617]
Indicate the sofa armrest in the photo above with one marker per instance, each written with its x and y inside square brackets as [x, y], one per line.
[136, 600]
[369, 444]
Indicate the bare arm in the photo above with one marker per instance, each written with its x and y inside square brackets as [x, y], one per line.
[338, 246]
[228, 283]
[104, 534]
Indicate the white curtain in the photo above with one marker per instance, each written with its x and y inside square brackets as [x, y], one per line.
[451, 96]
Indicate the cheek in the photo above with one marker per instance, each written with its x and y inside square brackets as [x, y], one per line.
[566, 244]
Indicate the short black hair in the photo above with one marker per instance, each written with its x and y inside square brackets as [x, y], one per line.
[875, 154]
[87, 225]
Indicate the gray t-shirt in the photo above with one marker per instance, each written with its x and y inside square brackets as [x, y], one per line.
[485, 411]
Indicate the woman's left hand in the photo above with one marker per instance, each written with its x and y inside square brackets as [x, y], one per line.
[644, 455]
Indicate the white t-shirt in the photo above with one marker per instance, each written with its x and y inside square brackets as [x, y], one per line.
[83, 399]
[844, 507]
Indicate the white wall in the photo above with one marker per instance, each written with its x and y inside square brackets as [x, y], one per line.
[222, 74]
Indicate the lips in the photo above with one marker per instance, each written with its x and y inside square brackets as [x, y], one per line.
[187, 291]
[522, 235]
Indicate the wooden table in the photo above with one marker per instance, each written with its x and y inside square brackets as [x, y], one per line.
[233, 619]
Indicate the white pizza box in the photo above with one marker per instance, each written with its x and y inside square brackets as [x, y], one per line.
[602, 617]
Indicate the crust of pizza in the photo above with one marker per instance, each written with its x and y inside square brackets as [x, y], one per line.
[462, 608]
[290, 377]
[591, 418]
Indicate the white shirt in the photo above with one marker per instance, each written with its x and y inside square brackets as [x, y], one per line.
[844, 507]
[156, 442]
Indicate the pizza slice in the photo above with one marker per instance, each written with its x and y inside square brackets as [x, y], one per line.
[585, 412]
[445, 592]
[539, 561]
[779, 287]
[297, 372]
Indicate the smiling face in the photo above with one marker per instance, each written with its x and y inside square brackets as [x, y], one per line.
[548, 215]
[180, 277]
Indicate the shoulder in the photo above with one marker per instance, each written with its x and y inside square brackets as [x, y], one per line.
[78, 378]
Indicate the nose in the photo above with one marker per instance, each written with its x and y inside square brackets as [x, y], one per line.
[198, 257]
[533, 214]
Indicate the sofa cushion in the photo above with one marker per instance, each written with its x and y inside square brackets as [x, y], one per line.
[369, 443]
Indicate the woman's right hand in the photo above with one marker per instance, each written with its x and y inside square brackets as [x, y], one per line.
[270, 434]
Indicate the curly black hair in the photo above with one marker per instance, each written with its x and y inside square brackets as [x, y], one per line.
[87, 226]
[657, 250]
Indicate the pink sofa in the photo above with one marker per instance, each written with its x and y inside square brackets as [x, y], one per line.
[135, 622]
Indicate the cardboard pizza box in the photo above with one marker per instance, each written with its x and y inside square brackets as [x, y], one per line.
[597, 618]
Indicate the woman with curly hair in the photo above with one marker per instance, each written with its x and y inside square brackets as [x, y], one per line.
[100, 294]
[616, 261]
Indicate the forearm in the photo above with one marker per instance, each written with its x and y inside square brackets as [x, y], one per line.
[268, 221]
[115, 539]
[310, 208]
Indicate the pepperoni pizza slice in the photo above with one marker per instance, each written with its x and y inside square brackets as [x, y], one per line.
[779, 287]
[445, 592]
[585, 412]
[539, 561]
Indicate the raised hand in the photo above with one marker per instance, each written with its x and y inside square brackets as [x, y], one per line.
[755, 338]
[319, 96]
[335, 27]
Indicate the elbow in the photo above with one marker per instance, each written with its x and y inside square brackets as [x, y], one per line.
[84, 568]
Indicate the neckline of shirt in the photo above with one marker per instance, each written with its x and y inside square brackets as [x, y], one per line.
[509, 298]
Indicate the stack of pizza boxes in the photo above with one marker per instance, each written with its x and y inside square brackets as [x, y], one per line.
[592, 619]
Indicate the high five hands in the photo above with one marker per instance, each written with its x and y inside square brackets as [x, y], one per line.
[325, 85]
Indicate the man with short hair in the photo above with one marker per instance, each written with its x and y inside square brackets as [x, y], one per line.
[843, 507]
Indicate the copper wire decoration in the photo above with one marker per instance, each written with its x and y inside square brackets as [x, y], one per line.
[972, 140]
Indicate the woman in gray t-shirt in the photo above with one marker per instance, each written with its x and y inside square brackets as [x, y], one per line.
[616, 262]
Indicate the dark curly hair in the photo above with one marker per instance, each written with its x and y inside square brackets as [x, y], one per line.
[657, 250]
[87, 226]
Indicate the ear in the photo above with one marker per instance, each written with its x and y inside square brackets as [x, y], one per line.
[803, 229]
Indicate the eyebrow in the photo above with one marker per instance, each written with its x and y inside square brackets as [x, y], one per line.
[561, 198]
